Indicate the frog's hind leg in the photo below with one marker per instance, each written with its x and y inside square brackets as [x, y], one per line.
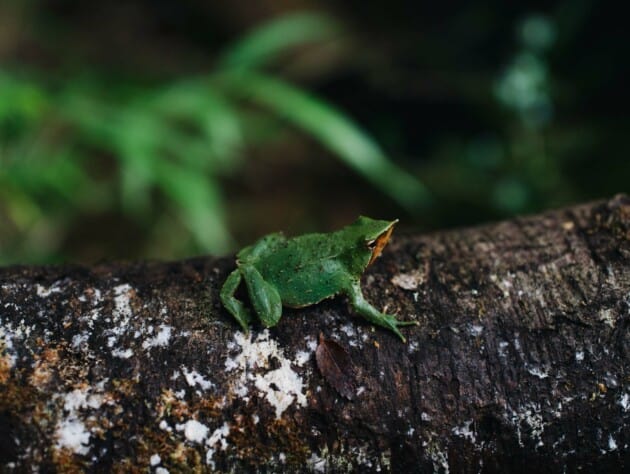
[264, 297]
[234, 306]
[369, 312]
[264, 244]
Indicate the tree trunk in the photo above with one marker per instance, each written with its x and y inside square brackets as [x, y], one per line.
[519, 363]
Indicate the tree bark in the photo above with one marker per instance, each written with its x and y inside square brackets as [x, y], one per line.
[519, 362]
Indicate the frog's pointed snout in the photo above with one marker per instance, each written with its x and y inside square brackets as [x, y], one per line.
[377, 245]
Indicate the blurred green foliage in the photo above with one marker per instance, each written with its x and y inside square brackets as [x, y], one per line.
[114, 148]
[156, 152]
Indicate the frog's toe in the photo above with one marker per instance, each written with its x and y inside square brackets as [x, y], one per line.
[395, 324]
[407, 323]
[392, 323]
[398, 333]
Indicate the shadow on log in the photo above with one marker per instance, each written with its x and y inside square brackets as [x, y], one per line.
[519, 364]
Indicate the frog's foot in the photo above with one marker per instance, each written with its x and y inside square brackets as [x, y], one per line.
[373, 315]
[234, 306]
[390, 322]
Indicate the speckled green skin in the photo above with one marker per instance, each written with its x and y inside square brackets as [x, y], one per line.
[304, 270]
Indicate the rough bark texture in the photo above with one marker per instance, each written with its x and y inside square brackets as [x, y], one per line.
[519, 362]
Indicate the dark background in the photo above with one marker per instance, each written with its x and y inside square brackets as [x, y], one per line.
[117, 127]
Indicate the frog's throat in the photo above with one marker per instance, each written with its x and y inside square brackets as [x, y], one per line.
[380, 243]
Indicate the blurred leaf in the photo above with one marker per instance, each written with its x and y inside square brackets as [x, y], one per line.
[265, 44]
[510, 195]
[335, 131]
[537, 32]
[199, 202]
[215, 119]
[173, 138]
[22, 209]
[19, 98]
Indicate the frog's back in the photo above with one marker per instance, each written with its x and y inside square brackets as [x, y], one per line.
[304, 270]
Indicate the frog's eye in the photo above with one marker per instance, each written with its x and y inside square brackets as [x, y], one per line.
[371, 244]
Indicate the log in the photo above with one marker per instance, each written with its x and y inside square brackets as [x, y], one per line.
[519, 363]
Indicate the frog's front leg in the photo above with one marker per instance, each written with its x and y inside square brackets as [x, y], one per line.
[264, 297]
[234, 306]
[369, 312]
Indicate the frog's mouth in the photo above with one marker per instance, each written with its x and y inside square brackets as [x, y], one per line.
[377, 245]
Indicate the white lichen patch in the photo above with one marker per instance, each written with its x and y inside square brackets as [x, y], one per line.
[475, 330]
[71, 431]
[465, 431]
[311, 343]
[349, 330]
[72, 434]
[7, 351]
[120, 324]
[11, 305]
[502, 351]
[612, 444]
[408, 281]
[517, 345]
[194, 378]
[122, 301]
[317, 463]
[218, 437]
[12, 336]
[607, 316]
[353, 334]
[96, 296]
[439, 458]
[165, 426]
[194, 431]
[302, 357]
[538, 372]
[161, 339]
[504, 284]
[362, 456]
[80, 399]
[531, 416]
[80, 340]
[121, 314]
[45, 292]
[122, 353]
[11, 287]
[557, 413]
[281, 387]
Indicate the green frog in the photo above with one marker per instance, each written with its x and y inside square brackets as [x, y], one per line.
[304, 270]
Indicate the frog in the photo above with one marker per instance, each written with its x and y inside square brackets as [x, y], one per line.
[304, 270]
